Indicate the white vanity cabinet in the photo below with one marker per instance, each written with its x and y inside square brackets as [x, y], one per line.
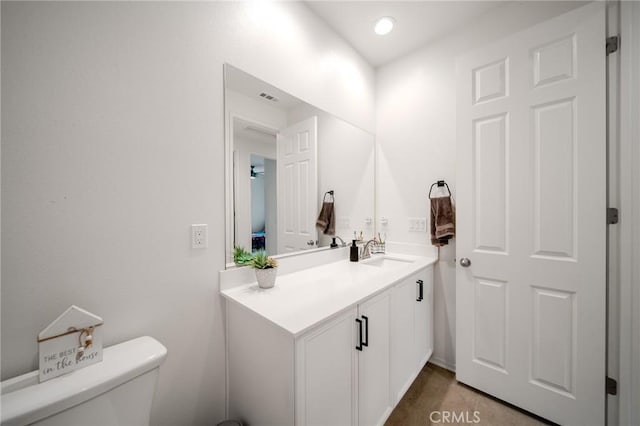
[423, 317]
[342, 368]
[326, 373]
[374, 404]
[411, 329]
[348, 368]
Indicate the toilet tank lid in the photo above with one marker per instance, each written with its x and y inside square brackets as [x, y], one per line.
[24, 400]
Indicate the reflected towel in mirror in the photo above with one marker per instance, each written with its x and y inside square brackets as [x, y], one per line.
[326, 219]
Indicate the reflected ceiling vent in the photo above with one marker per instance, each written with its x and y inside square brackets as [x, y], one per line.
[269, 97]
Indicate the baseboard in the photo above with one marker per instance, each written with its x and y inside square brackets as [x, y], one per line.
[442, 363]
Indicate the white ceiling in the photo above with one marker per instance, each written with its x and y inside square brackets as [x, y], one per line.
[418, 22]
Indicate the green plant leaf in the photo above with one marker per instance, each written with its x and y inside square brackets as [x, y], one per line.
[241, 256]
[261, 260]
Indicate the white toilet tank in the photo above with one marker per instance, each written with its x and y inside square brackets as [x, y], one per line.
[116, 391]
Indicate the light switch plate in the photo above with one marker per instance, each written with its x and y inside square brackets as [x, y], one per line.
[417, 224]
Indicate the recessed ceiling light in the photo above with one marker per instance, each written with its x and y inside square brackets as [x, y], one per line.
[384, 25]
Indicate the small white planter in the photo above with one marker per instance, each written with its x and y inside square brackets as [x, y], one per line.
[266, 277]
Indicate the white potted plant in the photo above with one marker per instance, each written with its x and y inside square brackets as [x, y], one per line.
[266, 269]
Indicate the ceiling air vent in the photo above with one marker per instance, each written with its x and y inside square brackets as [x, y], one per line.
[269, 97]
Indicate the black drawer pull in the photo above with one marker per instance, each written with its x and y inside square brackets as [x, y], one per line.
[359, 346]
[421, 290]
[366, 331]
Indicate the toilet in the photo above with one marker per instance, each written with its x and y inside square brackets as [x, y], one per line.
[117, 391]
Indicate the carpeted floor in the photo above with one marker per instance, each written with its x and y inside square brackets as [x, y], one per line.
[436, 398]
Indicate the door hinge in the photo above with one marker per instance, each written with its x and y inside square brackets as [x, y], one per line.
[612, 216]
[612, 44]
[612, 386]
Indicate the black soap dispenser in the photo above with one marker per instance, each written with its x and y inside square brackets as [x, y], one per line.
[354, 252]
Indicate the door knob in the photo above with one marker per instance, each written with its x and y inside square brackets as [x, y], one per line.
[465, 263]
[310, 243]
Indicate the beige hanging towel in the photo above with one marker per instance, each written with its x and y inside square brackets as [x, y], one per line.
[443, 221]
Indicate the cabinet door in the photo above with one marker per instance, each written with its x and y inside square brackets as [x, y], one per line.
[326, 373]
[403, 364]
[423, 315]
[374, 402]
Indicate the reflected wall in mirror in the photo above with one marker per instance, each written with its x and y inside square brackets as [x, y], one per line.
[283, 155]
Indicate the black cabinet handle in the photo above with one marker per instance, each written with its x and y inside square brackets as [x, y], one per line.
[359, 346]
[421, 290]
[366, 331]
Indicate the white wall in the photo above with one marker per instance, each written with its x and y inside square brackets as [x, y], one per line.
[112, 146]
[416, 135]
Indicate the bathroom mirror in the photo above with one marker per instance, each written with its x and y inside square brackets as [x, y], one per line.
[282, 156]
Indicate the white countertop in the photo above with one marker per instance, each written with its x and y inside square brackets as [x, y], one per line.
[302, 299]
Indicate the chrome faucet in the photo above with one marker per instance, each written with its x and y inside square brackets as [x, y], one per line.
[366, 251]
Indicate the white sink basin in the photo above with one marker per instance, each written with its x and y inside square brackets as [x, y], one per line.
[386, 261]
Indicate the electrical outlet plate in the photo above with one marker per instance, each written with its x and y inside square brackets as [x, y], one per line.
[199, 237]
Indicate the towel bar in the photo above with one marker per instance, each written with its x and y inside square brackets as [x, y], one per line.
[440, 184]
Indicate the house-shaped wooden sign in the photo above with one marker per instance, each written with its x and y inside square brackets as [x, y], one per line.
[72, 341]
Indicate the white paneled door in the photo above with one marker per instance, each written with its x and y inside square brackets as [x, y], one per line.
[297, 185]
[530, 325]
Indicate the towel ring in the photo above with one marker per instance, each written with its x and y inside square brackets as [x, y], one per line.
[440, 184]
[324, 199]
